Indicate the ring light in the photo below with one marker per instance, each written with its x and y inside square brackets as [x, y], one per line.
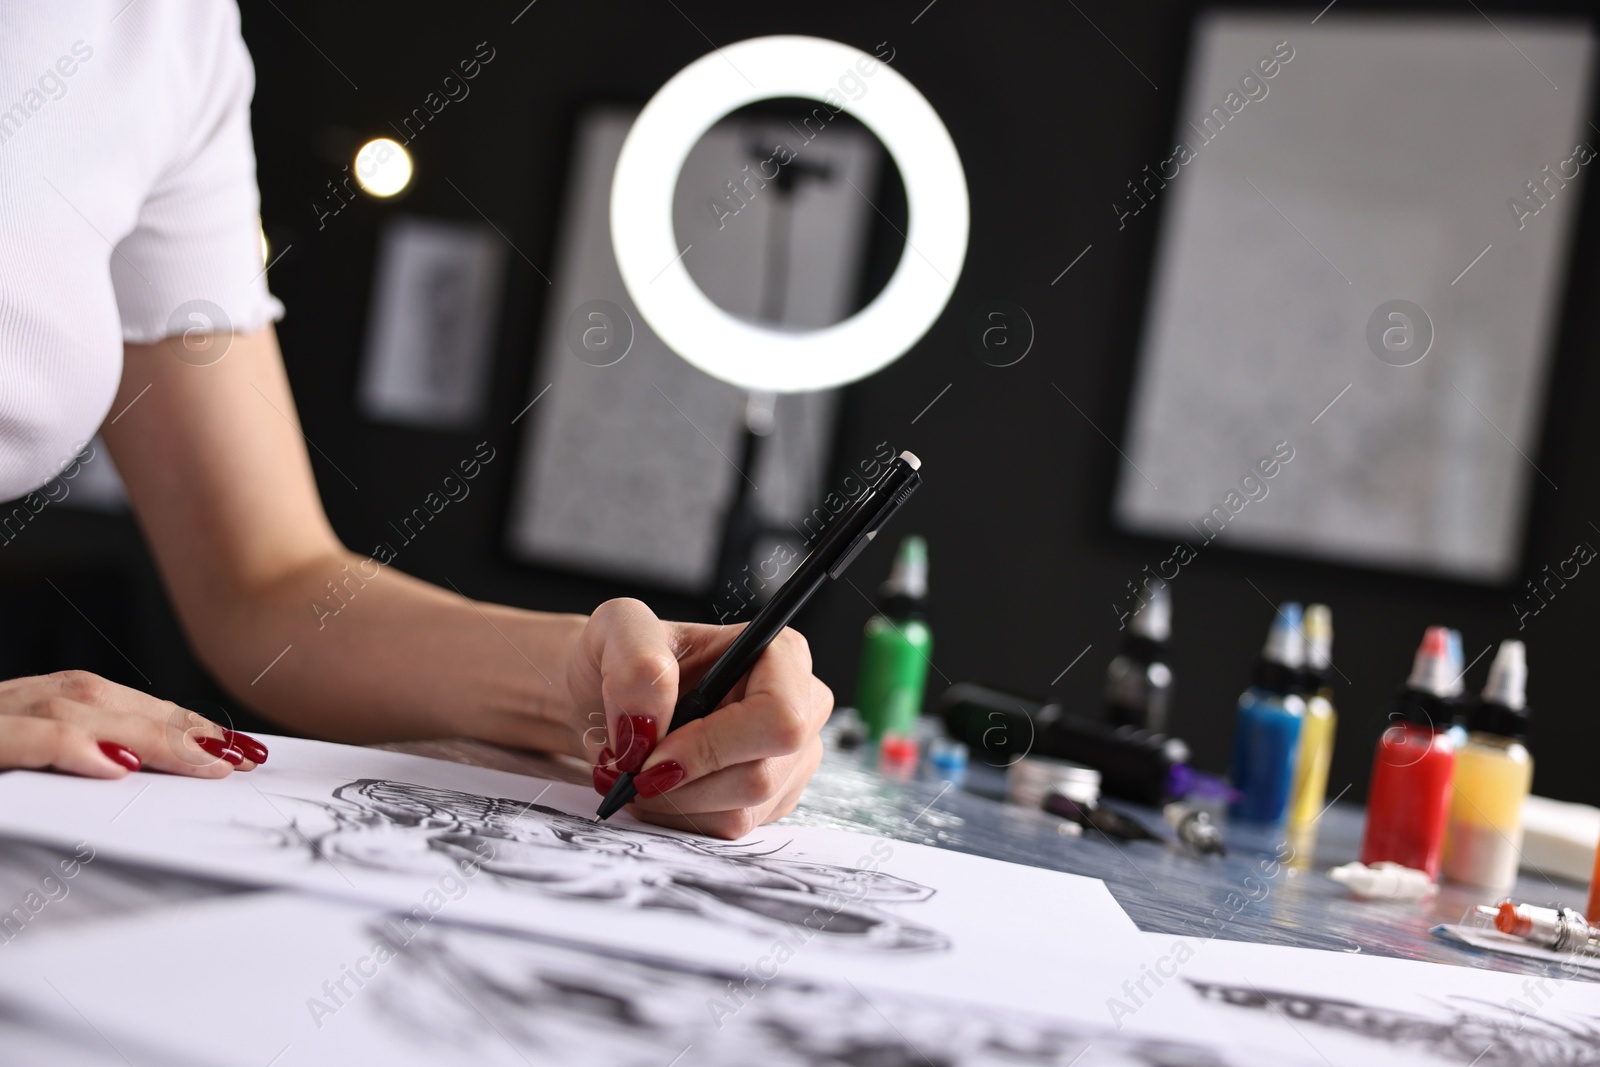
[745, 353]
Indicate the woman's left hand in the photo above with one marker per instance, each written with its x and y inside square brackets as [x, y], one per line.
[743, 765]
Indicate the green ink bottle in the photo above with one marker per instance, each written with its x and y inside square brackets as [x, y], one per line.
[895, 648]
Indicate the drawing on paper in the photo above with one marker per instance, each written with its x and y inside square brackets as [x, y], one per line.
[579, 1005]
[406, 828]
[1469, 1031]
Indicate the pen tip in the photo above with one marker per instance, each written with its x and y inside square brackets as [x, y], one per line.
[621, 792]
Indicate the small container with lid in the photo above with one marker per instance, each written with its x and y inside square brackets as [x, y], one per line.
[1408, 803]
[1494, 773]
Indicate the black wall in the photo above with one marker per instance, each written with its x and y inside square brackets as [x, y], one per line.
[1051, 121]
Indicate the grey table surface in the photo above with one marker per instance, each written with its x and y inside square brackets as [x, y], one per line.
[1246, 895]
[1165, 888]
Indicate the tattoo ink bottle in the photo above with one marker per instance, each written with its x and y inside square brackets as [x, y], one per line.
[1594, 888]
[1307, 797]
[895, 648]
[1139, 682]
[1408, 804]
[1493, 775]
[1267, 731]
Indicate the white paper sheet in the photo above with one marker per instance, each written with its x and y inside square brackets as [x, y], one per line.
[291, 979]
[1277, 1004]
[467, 844]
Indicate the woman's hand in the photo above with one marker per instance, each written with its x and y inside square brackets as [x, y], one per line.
[80, 723]
[743, 765]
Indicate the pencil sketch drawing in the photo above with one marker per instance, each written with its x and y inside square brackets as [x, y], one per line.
[406, 828]
[578, 1005]
[1466, 1031]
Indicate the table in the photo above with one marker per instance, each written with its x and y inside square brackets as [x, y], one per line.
[1167, 889]
[1163, 888]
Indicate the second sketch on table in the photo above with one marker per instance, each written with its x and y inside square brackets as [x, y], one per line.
[1465, 1031]
[579, 1005]
[402, 827]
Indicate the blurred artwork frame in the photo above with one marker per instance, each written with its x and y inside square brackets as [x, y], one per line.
[632, 459]
[1343, 274]
[432, 323]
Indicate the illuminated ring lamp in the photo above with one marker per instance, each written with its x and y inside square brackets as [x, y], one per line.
[741, 352]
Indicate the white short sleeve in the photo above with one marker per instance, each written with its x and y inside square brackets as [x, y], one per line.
[198, 232]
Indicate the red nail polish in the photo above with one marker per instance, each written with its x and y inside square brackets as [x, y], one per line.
[636, 741]
[605, 777]
[219, 748]
[660, 778]
[253, 750]
[121, 754]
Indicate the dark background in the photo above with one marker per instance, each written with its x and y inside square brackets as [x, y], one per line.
[1051, 121]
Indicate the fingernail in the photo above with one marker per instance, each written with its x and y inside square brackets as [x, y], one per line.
[660, 778]
[219, 748]
[636, 740]
[121, 754]
[253, 750]
[605, 776]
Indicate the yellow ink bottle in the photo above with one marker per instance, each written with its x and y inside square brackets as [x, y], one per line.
[1309, 793]
[1494, 773]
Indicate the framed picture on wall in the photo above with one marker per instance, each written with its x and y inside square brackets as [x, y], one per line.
[632, 457]
[1364, 233]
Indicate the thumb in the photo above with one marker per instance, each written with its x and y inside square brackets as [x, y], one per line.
[631, 652]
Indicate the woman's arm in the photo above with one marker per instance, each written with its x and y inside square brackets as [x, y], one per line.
[220, 480]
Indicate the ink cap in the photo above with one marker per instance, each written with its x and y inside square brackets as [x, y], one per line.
[1428, 697]
[1503, 709]
[1153, 619]
[1319, 639]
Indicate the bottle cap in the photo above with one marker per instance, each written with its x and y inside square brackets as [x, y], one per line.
[947, 755]
[897, 748]
[909, 574]
[1153, 620]
[1457, 658]
[1319, 639]
[1282, 659]
[1428, 697]
[1430, 670]
[1286, 644]
[1503, 708]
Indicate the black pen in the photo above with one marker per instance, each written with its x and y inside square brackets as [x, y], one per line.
[839, 547]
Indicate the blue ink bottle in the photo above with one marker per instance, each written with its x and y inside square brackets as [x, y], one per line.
[1266, 738]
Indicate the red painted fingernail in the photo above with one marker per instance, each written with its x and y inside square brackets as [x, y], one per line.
[605, 771]
[253, 750]
[219, 748]
[660, 778]
[121, 754]
[636, 741]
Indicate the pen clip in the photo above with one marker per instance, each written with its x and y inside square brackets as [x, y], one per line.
[866, 536]
[848, 558]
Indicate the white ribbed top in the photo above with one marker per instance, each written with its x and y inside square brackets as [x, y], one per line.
[127, 191]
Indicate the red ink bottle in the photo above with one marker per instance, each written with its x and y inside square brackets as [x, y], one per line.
[1408, 805]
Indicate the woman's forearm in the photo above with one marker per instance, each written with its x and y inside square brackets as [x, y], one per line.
[312, 635]
[347, 648]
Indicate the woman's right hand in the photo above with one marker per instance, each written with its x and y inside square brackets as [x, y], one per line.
[83, 724]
